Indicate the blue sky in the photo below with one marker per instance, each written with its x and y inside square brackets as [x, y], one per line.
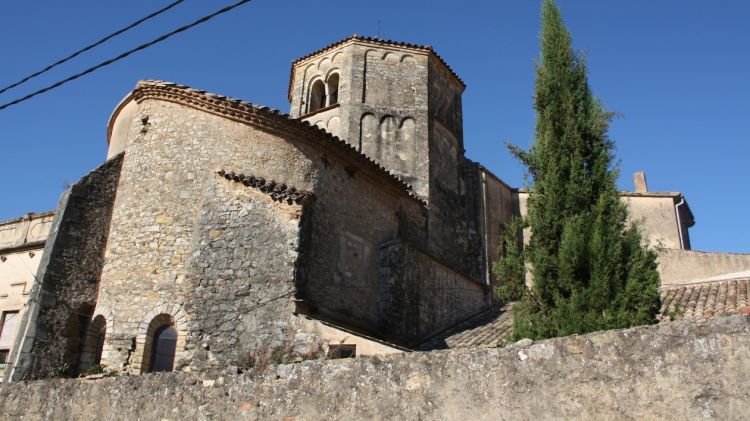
[677, 71]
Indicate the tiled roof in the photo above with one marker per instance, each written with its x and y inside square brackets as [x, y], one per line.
[267, 118]
[278, 191]
[484, 330]
[700, 301]
[373, 40]
[696, 302]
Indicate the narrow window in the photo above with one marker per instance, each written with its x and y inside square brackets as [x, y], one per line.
[92, 344]
[7, 334]
[164, 347]
[99, 346]
[333, 89]
[317, 96]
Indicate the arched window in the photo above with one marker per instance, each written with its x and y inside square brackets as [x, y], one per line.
[333, 89]
[317, 96]
[163, 349]
[160, 344]
[92, 345]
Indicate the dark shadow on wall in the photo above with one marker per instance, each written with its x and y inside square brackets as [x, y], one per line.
[64, 295]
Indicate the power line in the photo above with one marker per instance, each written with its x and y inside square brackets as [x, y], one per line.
[88, 47]
[125, 54]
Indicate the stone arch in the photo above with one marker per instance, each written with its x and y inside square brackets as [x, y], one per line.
[369, 55]
[390, 56]
[332, 87]
[321, 124]
[333, 125]
[368, 134]
[325, 61]
[408, 59]
[308, 68]
[406, 144]
[316, 98]
[336, 56]
[387, 138]
[94, 346]
[158, 317]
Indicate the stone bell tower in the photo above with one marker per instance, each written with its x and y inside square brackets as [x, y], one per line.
[397, 103]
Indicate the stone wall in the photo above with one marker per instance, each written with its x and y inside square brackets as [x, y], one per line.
[678, 267]
[223, 261]
[182, 239]
[241, 281]
[673, 371]
[62, 302]
[418, 296]
[500, 204]
[401, 106]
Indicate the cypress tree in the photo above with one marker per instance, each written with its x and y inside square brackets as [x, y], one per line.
[589, 269]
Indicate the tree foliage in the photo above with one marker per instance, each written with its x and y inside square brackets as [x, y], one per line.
[589, 269]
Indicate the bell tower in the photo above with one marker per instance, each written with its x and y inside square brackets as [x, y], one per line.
[397, 103]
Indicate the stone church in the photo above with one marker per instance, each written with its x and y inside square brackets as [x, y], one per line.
[217, 227]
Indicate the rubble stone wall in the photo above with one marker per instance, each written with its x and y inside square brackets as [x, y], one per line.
[63, 299]
[672, 371]
[193, 246]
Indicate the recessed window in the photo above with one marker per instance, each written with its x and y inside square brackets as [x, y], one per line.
[333, 89]
[92, 345]
[99, 346]
[317, 96]
[7, 333]
[163, 351]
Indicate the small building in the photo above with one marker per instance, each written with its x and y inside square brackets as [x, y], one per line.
[21, 246]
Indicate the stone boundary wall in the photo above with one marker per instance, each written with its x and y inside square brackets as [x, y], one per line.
[65, 293]
[679, 267]
[671, 371]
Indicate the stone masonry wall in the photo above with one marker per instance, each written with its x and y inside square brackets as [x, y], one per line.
[418, 296]
[205, 252]
[171, 201]
[240, 284]
[673, 371]
[350, 219]
[63, 300]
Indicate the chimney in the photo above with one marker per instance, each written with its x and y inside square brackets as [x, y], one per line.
[639, 180]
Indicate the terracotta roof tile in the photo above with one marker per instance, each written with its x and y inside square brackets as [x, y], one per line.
[696, 302]
[373, 40]
[278, 191]
[483, 330]
[701, 301]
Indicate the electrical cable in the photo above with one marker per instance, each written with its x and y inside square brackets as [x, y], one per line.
[125, 54]
[88, 47]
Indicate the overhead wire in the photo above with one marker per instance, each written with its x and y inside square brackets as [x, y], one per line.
[90, 46]
[125, 54]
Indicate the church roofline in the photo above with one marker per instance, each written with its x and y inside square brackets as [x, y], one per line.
[116, 112]
[372, 40]
[265, 117]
